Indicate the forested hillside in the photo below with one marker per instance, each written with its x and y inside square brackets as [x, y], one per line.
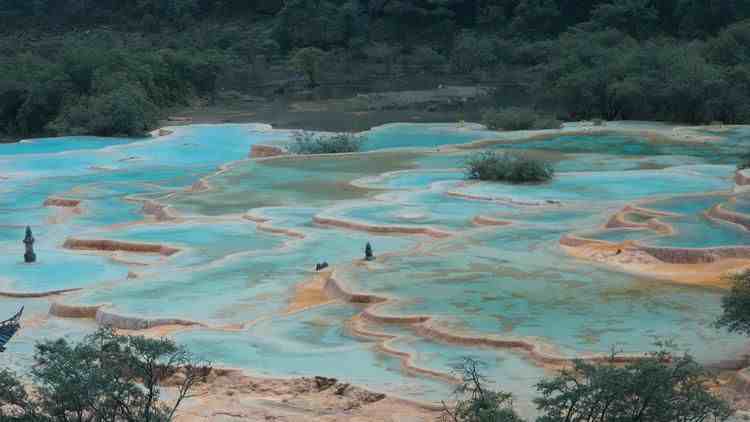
[109, 66]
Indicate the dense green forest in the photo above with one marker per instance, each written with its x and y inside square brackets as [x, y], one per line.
[110, 66]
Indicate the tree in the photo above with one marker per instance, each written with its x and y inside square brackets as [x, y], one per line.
[736, 304]
[637, 18]
[536, 19]
[477, 402]
[105, 377]
[657, 388]
[307, 61]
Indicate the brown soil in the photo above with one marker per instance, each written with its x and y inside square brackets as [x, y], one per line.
[231, 396]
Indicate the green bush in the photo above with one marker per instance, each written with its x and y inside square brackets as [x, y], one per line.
[508, 167]
[744, 162]
[124, 112]
[104, 377]
[736, 303]
[657, 388]
[310, 143]
[517, 118]
[477, 402]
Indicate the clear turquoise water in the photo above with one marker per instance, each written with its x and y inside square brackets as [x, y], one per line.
[419, 135]
[502, 281]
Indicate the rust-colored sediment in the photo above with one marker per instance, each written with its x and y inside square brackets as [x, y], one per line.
[104, 317]
[264, 151]
[22, 295]
[482, 220]
[264, 224]
[718, 212]
[701, 267]
[620, 220]
[118, 246]
[111, 319]
[199, 186]
[741, 179]
[159, 211]
[73, 311]
[352, 225]
[311, 293]
[232, 395]
[54, 201]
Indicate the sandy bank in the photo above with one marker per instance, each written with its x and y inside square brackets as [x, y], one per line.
[700, 267]
[310, 293]
[230, 395]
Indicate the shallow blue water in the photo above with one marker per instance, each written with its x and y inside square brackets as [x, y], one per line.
[503, 281]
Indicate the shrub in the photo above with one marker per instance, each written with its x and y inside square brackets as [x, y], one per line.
[478, 403]
[657, 388]
[736, 303]
[744, 162]
[105, 377]
[125, 111]
[517, 118]
[508, 167]
[308, 61]
[310, 143]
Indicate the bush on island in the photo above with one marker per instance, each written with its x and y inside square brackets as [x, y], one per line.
[508, 167]
[517, 118]
[306, 143]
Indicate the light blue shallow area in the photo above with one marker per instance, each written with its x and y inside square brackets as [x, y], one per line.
[420, 135]
[602, 186]
[504, 288]
[54, 145]
[55, 270]
[310, 344]
[505, 281]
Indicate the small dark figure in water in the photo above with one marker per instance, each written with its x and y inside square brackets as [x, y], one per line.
[28, 241]
[368, 252]
[321, 265]
[619, 251]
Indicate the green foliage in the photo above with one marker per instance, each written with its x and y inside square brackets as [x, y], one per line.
[508, 167]
[637, 18]
[736, 303]
[673, 60]
[105, 377]
[472, 52]
[657, 388]
[516, 118]
[308, 61]
[91, 88]
[477, 402]
[123, 112]
[311, 143]
[535, 19]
